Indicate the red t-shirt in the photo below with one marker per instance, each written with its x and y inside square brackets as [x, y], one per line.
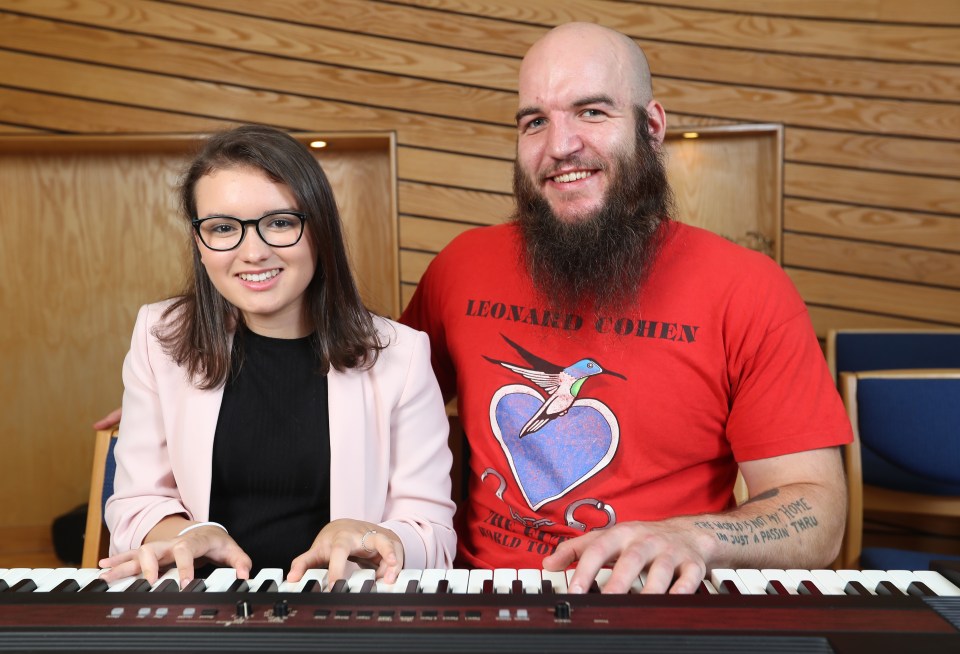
[578, 421]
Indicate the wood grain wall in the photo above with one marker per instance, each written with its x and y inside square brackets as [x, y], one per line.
[868, 92]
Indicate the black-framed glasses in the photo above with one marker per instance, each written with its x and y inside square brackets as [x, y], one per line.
[278, 229]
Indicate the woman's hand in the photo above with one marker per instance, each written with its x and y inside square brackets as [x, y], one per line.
[207, 542]
[354, 540]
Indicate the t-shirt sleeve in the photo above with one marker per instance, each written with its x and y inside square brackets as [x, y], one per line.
[783, 399]
[425, 313]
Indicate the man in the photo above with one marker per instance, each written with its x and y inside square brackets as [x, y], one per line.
[614, 368]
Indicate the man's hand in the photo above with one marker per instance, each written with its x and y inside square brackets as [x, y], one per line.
[671, 553]
[108, 421]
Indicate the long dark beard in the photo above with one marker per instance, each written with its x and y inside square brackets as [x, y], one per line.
[600, 259]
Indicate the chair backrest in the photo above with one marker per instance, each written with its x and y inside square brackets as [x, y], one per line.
[906, 448]
[855, 350]
[96, 538]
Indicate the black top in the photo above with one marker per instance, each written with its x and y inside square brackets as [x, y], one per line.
[271, 452]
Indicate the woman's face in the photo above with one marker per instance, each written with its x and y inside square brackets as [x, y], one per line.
[267, 284]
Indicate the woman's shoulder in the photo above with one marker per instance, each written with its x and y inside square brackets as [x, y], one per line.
[393, 334]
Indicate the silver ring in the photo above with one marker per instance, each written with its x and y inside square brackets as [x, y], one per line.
[363, 540]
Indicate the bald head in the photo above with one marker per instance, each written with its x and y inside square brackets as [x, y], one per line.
[606, 51]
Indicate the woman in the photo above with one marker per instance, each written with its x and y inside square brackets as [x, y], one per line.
[269, 420]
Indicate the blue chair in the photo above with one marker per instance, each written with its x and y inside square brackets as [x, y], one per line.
[855, 350]
[96, 539]
[905, 457]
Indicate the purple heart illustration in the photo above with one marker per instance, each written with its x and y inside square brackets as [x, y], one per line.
[561, 455]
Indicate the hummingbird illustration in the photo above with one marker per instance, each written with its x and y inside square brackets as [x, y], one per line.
[562, 384]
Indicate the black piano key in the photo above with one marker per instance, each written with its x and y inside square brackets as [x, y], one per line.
[368, 586]
[66, 586]
[920, 589]
[96, 586]
[856, 588]
[312, 586]
[238, 586]
[487, 587]
[195, 586]
[168, 586]
[138, 586]
[594, 587]
[776, 587]
[340, 586]
[546, 587]
[703, 589]
[888, 588]
[516, 587]
[413, 586]
[23, 586]
[728, 587]
[443, 587]
[3, 586]
[268, 586]
[807, 587]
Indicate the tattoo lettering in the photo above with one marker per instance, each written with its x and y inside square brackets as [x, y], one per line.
[787, 520]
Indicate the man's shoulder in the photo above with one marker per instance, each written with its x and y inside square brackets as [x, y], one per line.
[690, 243]
[483, 239]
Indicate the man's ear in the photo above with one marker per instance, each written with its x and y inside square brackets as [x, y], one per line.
[656, 121]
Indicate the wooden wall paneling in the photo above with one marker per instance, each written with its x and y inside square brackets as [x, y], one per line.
[824, 110]
[894, 11]
[428, 234]
[481, 173]
[825, 318]
[404, 23]
[413, 264]
[466, 205]
[923, 230]
[911, 301]
[910, 192]
[92, 232]
[54, 112]
[231, 32]
[891, 262]
[873, 152]
[731, 29]
[225, 64]
[232, 103]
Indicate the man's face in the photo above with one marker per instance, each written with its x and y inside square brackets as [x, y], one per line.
[574, 122]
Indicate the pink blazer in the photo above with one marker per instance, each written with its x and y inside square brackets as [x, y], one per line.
[389, 458]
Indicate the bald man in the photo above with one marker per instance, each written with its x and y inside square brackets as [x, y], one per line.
[614, 368]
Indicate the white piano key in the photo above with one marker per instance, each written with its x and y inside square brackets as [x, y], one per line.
[711, 589]
[458, 578]
[220, 579]
[172, 573]
[503, 579]
[754, 581]
[121, 585]
[902, 578]
[476, 579]
[266, 574]
[719, 575]
[938, 583]
[603, 576]
[84, 576]
[57, 576]
[856, 575]
[827, 581]
[400, 585]
[14, 575]
[318, 574]
[357, 579]
[557, 578]
[874, 577]
[776, 574]
[429, 578]
[638, 583]
[531, 580]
